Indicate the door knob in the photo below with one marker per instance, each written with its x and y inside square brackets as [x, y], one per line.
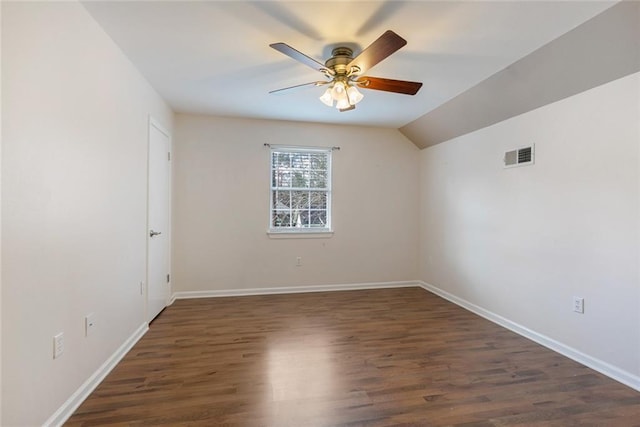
[154, 233]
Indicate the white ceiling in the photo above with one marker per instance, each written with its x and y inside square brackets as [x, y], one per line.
[213, 57]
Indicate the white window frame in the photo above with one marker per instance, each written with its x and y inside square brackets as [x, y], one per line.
[300, 231]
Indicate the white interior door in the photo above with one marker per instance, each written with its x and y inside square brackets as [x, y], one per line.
[158, 221]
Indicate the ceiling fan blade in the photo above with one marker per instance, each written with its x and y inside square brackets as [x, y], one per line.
[300, 57]
[389, 85]
[384, 46]
[320, 83]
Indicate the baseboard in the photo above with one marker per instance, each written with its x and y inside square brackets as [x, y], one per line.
[73, 402]
[605, 368]
[293, 289]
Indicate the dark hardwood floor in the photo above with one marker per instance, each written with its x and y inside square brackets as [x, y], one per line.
[353, 358]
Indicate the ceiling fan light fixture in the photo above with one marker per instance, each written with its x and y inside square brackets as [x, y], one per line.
[344, 94]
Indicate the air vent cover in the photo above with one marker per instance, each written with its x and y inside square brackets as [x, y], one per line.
[519, 157]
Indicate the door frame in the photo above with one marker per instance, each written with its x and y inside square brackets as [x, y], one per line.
[156, 124]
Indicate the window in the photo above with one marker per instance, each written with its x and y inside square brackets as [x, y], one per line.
[300, 189]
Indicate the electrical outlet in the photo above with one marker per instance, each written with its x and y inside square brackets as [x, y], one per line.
[298, 261]
[58, 345]
[578, 304]
[89, 324]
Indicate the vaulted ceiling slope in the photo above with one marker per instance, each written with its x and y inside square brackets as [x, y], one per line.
[213, 57]
[602, 49]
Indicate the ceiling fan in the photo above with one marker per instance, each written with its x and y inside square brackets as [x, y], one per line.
[345, 74]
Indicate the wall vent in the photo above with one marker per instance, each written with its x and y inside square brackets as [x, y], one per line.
[519, 157]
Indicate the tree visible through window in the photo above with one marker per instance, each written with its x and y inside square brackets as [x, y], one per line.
[300, 189]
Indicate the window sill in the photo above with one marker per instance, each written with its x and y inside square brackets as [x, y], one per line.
[300, 234]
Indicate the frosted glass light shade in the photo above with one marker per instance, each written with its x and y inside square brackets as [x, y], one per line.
[338, 90]
[354, 95]
[326, 98]
[343, 103]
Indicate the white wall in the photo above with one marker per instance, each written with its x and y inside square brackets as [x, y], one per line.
[522, 242]
[74, 141]
[221, 207]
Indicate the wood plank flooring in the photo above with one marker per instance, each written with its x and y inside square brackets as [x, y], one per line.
[388, 357]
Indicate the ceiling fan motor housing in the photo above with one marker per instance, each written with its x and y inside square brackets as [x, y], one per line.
[340, 58]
